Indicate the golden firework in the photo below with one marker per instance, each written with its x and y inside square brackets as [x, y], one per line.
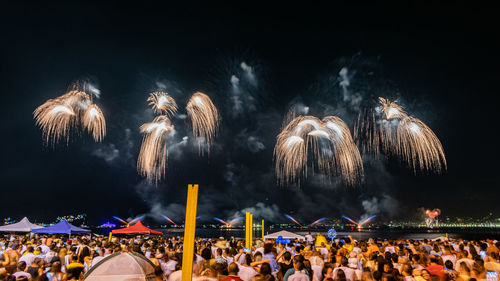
[153, 155]
[329, 140]
[204, 117]
[93, 121]
[389, 129]
[162, 103]
[57, 117]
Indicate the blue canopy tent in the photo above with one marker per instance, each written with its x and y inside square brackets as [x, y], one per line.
[63, 227]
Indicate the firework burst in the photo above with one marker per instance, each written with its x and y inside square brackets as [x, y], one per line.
[73, 110]
[93, 121]
[162, 103]
[389, 129]
[205, 118]
[153, 155]
[330, 142]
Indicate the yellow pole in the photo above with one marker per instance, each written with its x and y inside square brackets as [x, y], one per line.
[262, 230]
[251, 230]
[189, 231]
[247, 230]
[110, 234]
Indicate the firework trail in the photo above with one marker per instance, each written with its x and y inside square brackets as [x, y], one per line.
[73, 110]
[204, 117]
[162, 103]
[235, 221]
[152, 160]
[366, 220]
[317, 221]
[120, 220]
[221, 221]
[292, 219]
[349, 219]
[389, 129]
[136, 219]
[168, 219]
[330, 142]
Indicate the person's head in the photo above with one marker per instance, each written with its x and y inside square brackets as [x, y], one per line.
[257, 256]
[265, 269]
[298, 266]
[248, 259]
[206, 254]
[233, 269]
[448, 264]
[435, 248]
[406, 269]
[219, 252]
[388, 267]
[394, 257]
[340, 275]
[30, 249]
[344, 261]
[56, 267]
[327, 271]
[268, 247]
[425, 274]
[287, 256]
[21, 266]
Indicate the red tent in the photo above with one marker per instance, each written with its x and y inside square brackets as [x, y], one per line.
[137, 228]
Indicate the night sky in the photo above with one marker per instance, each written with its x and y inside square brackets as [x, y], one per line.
[440, 62]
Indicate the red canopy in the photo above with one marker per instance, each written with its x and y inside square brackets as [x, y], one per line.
[138, 228]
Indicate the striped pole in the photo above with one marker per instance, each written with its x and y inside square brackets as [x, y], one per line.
[189, 231]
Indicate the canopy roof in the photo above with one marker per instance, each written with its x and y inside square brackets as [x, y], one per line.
[23, 225]
[285, 235]
[122, 266]
[63, 227]
[137, 228]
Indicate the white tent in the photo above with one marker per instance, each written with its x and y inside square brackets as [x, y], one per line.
[23, 225]
[122, 266]
[284, 234]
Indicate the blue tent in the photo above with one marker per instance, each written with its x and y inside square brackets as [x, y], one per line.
[63, 227]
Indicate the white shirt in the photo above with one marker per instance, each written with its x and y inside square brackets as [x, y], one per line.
[299, 276]
[309, 238]
[168, 267]
[409, 278]
[96, 260]
[317, 270]
[175, 276]
[349, 273]
[260, 249]
[390, 249]
[468, 262]
[22, 273]
[451, 258]
[28, 259]
[246, 273]
[44, 249]
[324, 253]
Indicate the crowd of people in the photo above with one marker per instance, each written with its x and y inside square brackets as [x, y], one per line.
[53, 258]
